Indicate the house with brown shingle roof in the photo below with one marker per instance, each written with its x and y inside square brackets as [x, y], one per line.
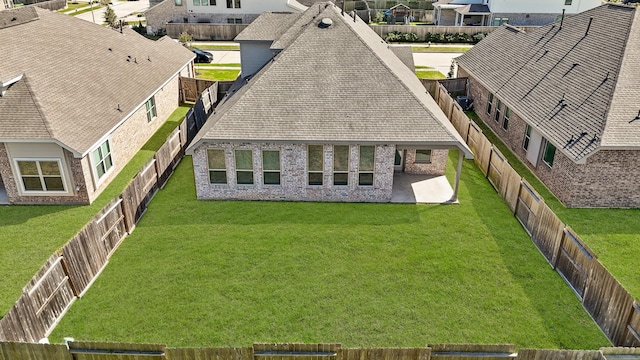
[324, 111]
[77, 101]
[564, 98]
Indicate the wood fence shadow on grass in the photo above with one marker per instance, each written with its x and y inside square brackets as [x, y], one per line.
[604, 298]
[69, 272]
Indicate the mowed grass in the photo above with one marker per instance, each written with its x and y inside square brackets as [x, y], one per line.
[230, 273]
[216, 74]
[613, 234]
[30, 234]
[430, 74]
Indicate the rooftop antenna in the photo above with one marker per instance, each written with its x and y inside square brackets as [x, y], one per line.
[120, 26]
[342, 7]
[588, 26]
[562, 19]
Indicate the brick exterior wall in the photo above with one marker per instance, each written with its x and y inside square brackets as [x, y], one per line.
[164, 12]
[293, 185]
[436, 167]
[128, 138]
[520, 19]
[607, 179]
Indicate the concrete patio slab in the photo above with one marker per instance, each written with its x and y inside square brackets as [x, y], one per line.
[422, 189]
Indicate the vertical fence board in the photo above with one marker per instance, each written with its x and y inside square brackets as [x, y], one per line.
[608, 302]
[84, 256]
[548, 233]
[27, 351]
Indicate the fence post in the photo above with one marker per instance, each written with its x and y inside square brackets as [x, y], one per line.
[490, 157]
[66, 270]
[557, 257]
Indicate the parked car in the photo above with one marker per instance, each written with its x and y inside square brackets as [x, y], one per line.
[202, 56]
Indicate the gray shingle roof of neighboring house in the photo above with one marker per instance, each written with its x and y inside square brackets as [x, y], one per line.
[339, 83]
[578, 85]
[75, 76]
[268, 27]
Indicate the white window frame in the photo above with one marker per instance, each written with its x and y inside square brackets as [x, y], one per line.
[151, 109]
[372, 171]
[279, 171]
[210, 169]
[527, 138]
[505, 118]
[341, 171]
[233, 4]
[38, 192]
[99, 179]
[415, 161]
[544, 153]
[309, 171]
[252, 170]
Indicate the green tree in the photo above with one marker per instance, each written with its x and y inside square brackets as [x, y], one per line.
[185, 39]
[110, 17]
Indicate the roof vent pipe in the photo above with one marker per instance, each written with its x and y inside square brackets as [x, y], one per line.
[325, 23]
[588, 26]
[562, 19]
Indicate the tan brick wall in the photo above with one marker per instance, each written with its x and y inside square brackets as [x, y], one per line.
[293, 158]
[608, 179]
[436, 167]
[130, 136]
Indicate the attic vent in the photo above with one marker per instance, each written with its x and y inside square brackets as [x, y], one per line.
[325, 23]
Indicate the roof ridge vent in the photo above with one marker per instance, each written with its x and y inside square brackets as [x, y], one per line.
[325, 23]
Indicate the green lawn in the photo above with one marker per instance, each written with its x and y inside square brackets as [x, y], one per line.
[217, 65]
[216, 47]
[613, 234]
[230, 273]
[217, 75]
[95, 7]
[71, 6]
[29, 235]
[430, 74]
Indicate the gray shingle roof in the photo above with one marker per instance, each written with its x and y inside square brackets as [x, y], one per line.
[578, 89]
[336, 84]
[76, 74]
[268, 27]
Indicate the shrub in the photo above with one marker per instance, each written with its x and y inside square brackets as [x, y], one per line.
[397, 36]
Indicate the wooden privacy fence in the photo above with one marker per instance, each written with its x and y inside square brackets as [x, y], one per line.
[191, 89]
[71, 270]
[610, 305]
[117, 351]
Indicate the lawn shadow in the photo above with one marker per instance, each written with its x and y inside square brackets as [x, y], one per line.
[562, 316]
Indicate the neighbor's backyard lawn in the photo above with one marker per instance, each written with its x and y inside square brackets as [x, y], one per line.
[213, 74]
[613, 234]
[29, 235]
[230, 273]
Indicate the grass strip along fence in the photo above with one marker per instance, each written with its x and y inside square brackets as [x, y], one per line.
[70, 271]
[112, 351]
[604, 298]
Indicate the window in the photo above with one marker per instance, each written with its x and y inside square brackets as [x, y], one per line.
[489, 103]
[233, 4]
[151, 108]
[423, 156]
[102, 161]
[549, 154]
[234, 21]
[315, 164]
[217, 166]
[568, 2]
[178, 2]
[341, 165]
[202, 2]
[499, 21]
[244, 167]
[527, 137]
[41, 175]
[271, 167]
[507, 115]
[366, 165]
[498, 111]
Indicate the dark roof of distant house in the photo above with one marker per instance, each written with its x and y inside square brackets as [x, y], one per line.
[336, 83]
[76, 80]
[576, 84]
[474, 9]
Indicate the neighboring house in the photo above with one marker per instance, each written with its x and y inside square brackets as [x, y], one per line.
[513, 12]
[214, 11]
[564, 98]
[77, 101]
[325, 111]
[7, 4]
